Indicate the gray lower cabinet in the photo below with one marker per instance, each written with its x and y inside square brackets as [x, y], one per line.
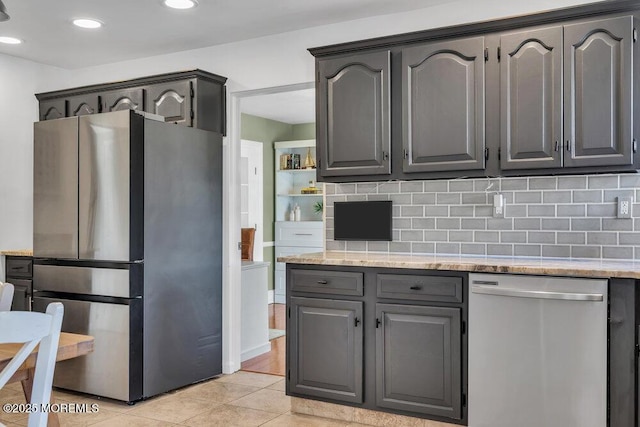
[390, 340]
[125, 99]
[598, 124]
[353, 115]
[531, 99]
[326, 348]
[19, 272]
[443, 103]
[418, 359]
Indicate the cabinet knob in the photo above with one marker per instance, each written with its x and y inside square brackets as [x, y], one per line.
[416, 287]
[322, 282]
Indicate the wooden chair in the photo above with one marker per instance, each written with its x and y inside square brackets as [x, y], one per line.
[6, 296]
[248, 235]
[31, 329]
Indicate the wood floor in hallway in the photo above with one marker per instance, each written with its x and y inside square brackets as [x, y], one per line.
[272, 362]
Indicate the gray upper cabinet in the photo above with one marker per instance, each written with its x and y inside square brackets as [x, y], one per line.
[53, 109]
[326, 348]
[191, 98]
[418, 359]
[126, 99]
[353, 115]
[83, 105]
[172, 100]
[443, 101]
[598, 92]
[531, 99]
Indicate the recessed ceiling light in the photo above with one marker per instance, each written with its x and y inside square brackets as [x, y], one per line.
[180, 4]
[10, 40]
[87, 23]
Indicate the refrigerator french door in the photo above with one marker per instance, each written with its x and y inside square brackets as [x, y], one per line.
[83, 184]
[128, 236]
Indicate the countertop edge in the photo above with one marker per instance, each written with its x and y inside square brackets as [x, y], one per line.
[488, 265]
[17, 252]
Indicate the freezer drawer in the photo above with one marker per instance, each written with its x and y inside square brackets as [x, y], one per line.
[108, 282]
[105, 371]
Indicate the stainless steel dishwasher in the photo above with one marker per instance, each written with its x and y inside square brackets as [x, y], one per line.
[537, 351]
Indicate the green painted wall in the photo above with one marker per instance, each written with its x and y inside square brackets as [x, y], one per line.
[303, 131]
[267, 131]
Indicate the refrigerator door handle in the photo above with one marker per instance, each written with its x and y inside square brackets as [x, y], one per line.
[519, 293]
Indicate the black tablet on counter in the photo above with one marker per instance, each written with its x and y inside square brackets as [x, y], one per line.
[363, 220]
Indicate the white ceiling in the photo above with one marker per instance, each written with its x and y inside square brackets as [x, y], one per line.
[289, 107]
[142, 28]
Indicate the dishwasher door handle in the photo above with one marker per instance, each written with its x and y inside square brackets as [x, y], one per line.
[520, 293]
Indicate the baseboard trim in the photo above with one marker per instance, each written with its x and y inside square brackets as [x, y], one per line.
[271, 296]
[280, 299]
[256, 351]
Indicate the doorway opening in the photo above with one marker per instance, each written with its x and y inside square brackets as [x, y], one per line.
[270, 117]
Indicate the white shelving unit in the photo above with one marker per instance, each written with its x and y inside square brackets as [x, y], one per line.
[295, 237]
[290, 182]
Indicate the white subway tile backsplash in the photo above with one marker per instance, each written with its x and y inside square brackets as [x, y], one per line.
[566, 216]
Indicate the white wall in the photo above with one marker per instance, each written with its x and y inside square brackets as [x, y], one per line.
[283, 59]
[18, 110]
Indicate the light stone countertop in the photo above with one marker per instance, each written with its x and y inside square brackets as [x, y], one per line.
[17, 252]
[490, 264]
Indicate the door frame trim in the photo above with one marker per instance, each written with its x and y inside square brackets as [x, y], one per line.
[231, 297]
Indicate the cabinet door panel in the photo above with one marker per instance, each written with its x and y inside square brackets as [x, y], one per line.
[53, 109]
[531, 99]
[326, 346]
[354, 115]
[173, 101]
[83, 105]
[598, 92]
[418, 359]
[443, 92]
[128, 99]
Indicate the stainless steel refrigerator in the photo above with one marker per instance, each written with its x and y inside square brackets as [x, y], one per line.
[128, 236]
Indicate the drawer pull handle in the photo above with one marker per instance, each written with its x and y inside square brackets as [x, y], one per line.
[357, 322]
[17, 268]
[322, 282]
[303, 234]
[415, 288]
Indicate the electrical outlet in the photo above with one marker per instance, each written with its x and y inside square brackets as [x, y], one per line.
[624, 207]
[498, 206]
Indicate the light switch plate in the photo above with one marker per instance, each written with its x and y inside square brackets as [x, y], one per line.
[624, 207]
[498, 206]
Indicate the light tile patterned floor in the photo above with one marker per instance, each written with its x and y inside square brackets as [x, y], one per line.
[242, 399]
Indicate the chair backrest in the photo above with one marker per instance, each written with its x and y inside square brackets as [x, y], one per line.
[6, 296]
[247, 235]
[31, 329]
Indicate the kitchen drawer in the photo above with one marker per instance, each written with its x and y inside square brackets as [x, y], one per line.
[19, 267]
[327, 282]
[307, 233]
[416, 287]
[287, 251]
